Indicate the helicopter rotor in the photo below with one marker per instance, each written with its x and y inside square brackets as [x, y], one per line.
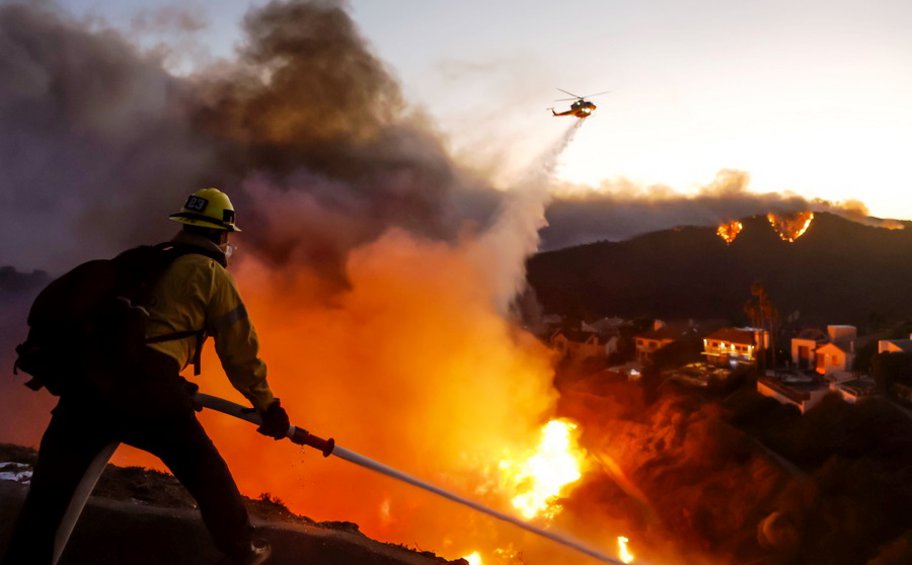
[577, 97]
[570, 93]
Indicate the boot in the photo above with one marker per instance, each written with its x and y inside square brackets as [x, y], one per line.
[260, 552]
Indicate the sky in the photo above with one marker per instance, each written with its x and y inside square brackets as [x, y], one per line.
[806, 97]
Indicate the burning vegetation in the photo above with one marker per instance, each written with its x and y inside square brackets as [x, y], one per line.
[729, 231]
[790, 227]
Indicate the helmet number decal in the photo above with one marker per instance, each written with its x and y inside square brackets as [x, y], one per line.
[196, 203]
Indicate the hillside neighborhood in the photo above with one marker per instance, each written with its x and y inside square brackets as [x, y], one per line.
[799, 372]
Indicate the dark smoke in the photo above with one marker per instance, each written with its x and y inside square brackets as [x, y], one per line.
[95, 143]
[305, 131]
[336, 160]
[26, 410]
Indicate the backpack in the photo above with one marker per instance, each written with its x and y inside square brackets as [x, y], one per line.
[88, 325]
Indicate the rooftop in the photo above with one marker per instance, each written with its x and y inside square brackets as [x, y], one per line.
[795, 389]
[734, 335]
[904, 344]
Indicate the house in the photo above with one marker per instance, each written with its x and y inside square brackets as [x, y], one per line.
[735, 346]
[831, 354]
[579, 345]
[804, 348]
[655, 339]
[835, 360]
[604, 326]
[803, 391]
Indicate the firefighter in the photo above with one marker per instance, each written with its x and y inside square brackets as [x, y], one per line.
[152, 407]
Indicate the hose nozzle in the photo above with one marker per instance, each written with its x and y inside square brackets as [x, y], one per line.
[301, 436]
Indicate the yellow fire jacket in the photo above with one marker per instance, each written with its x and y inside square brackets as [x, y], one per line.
[196, 292]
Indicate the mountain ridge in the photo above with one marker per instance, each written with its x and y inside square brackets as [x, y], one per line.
[839, 271]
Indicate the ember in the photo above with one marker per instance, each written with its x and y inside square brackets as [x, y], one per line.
[729, 231]
[790, 226]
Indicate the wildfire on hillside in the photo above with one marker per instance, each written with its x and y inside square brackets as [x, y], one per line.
[729, 231]
[790, 226]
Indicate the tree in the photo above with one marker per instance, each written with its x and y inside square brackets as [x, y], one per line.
[763, 314]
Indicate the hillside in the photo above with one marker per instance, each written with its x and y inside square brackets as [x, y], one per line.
[137, 516]
[839, 271]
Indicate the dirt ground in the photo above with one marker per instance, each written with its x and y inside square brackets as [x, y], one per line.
[145, 517]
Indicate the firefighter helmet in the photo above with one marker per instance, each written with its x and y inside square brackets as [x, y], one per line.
[207, 208]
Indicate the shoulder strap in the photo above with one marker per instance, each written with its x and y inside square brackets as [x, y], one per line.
[200, 339]
[175, 250]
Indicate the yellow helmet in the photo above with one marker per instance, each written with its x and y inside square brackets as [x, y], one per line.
[207, 208]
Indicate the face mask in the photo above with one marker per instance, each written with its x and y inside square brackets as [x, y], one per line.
[228, 249]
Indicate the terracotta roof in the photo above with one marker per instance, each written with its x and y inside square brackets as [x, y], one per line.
[733, 335]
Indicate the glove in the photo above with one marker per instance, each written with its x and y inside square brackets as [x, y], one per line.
[191, 388]
[275, 421]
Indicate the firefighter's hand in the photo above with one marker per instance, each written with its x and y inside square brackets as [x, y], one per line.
[275, 421]
[192, 388]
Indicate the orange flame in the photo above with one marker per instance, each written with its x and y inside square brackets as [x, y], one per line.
[413, 366]
[624, 553]
[790, 226]
[729, 231]
[541, 478]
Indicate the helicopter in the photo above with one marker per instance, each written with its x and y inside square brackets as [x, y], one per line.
[581, 108]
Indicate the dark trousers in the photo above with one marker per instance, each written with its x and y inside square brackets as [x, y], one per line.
[149, 409]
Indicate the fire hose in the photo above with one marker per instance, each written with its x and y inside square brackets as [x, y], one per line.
[327, 447]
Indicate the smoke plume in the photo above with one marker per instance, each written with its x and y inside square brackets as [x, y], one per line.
[376, 270]
[99, 143]
[619, 210]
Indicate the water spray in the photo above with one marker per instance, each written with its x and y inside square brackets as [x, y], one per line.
[549, 158]
[328, 447]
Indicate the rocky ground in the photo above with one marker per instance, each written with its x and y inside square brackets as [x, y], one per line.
[140, 517]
